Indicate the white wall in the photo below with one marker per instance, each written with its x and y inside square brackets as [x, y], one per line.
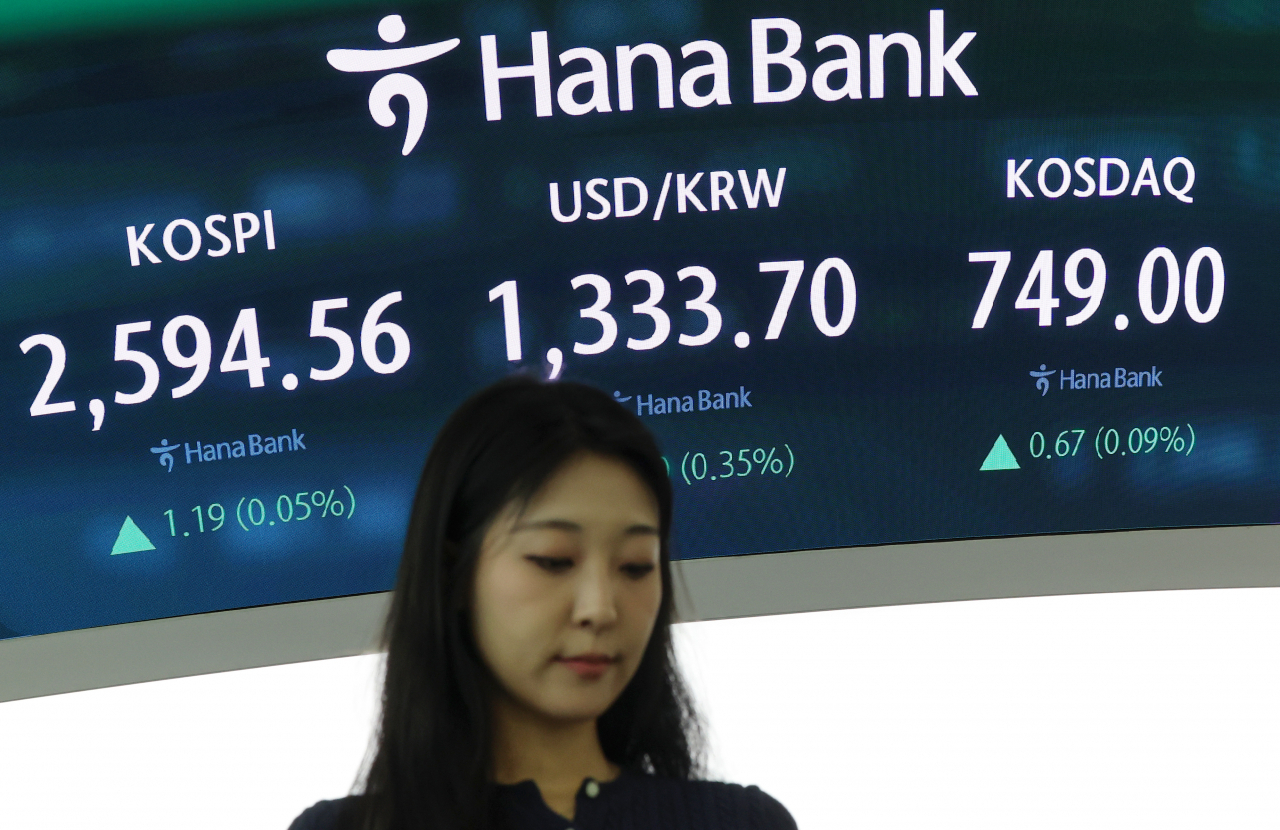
[1151, 710]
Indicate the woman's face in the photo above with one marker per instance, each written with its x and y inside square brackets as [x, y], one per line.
[573, 575]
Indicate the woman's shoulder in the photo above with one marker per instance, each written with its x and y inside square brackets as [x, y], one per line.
[721, 803]
[325, 815]
[707, 804]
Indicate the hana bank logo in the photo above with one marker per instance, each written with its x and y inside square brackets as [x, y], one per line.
[165, 451]
[1042, 378]
[392, 29]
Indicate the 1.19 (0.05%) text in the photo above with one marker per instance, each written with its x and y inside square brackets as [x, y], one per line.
[252, 512]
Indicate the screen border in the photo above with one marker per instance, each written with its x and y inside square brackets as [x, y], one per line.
[707, 589]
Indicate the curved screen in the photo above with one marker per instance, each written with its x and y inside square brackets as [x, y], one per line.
[873, 274]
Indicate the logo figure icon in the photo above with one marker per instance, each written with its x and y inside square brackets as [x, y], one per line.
[392, 29]
[1042, 379]
[617, 396]
[165, 451]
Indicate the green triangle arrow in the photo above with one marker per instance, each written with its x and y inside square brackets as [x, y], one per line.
[1000, 457]
[131, 539]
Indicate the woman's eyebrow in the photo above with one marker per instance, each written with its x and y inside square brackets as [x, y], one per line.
[548, 524]
[574, 527]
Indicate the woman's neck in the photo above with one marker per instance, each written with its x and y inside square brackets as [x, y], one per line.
[556, 755]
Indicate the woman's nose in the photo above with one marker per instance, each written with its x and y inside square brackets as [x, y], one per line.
[594, 601]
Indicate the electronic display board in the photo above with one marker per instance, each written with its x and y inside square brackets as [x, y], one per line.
[873, 273]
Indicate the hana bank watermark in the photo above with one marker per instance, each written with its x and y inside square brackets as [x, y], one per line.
[253, 445]
[1119, 378]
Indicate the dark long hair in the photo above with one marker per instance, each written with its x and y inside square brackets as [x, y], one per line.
[432, 767]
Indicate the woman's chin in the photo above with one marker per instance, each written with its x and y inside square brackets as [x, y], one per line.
[571, 707]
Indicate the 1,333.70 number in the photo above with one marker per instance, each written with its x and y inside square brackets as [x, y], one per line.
[832, 269]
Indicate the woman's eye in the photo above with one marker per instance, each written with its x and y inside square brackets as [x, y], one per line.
[638, 570]
[553, 564]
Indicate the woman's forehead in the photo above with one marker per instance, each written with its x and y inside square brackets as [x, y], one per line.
[590, 485]
[587, 494]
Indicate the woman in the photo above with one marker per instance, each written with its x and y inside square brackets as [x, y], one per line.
[530, 680]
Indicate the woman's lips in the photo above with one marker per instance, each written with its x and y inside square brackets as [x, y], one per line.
[587, 665]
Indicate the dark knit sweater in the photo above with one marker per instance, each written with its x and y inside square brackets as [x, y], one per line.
[632, 801]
